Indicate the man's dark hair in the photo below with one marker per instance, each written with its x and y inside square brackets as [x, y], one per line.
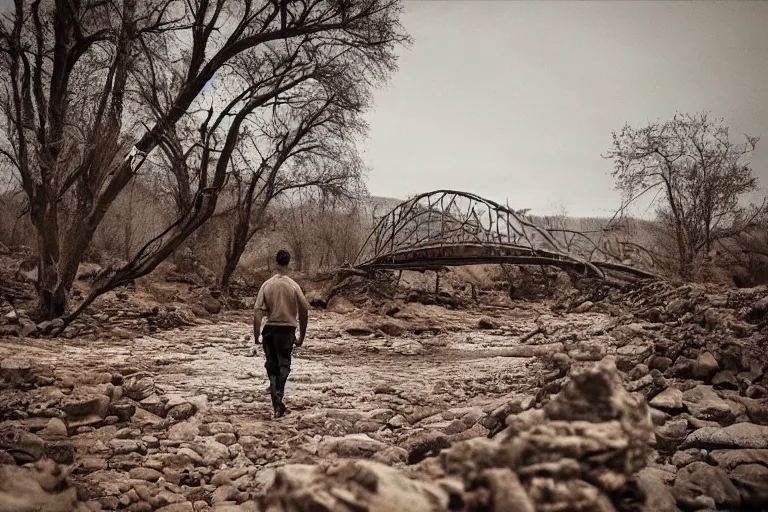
[283, 258]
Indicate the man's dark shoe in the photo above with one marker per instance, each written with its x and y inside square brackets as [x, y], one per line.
[279, 405]
[274, 391]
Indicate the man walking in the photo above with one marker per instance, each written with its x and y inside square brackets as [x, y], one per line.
[281, 300]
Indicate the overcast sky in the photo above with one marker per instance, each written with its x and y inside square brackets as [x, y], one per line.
[517, 100]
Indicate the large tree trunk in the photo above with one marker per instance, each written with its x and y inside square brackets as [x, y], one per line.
[234, 253]
[60, 256]
[52, 299]
[241, 235]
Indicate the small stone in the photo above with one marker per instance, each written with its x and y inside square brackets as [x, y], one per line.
[16, 370]
[125, 446]
[670, 398]
[219, 427]
[85, 408]
[212, 452]
[670, 435]
[154, 403]
[184, 431]
[150, 441]
[703, 403]
[90, 463]
[184, 506]
[682, 368]
[658, 416]
[150, 475]
[340, 305]
[424, 444]
[705, 366]
[55, 428]
[684, 457]
[352, 445]
[640, 383]
[109, 502]
[127, 433]
[123, 409]
[357, 327]
[584, 307]
[138, 387]
[28, 328]
[487, 323]
[223, 493]
[397, 421]
[639, 372]
[182, 411]
[659, 363]
[725, 379]
[756, 391]
[60, 451]
[225, 438]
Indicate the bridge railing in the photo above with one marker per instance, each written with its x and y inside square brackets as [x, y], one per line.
[447, 218]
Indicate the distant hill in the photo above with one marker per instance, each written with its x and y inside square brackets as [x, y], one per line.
[382, 205]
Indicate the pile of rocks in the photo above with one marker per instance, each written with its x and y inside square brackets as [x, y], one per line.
[697, 354]
[117, 315]
[578, 452]
[114, 440]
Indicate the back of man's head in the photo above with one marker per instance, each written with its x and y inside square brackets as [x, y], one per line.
[283, 258]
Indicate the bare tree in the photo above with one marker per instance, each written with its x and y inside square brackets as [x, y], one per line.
[70, 68]
[306, 141]
[698, 177]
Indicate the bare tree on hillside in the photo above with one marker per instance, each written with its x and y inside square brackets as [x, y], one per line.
[698, 175]
[70, 69]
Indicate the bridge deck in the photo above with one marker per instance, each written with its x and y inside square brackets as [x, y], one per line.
[452, 255]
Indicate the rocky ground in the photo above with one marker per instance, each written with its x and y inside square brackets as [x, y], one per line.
[648, 397]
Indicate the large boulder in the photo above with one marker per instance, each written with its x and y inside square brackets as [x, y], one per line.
[739, 435]
[699, 486]
[704, 403]
[138, 387]
[353, 445]
[351, 485]
[752, 482]
[41, 487]
[23, 446]
[551, 448]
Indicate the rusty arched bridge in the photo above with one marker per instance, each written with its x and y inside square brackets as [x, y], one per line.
[447, 228]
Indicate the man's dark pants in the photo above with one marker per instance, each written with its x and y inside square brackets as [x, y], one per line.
[277, 341]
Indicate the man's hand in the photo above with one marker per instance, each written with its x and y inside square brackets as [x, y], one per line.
[255, 347]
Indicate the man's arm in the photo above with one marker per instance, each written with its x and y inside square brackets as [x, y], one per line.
[258, 314]
[303, 314]
[257, 317]
[303, 320]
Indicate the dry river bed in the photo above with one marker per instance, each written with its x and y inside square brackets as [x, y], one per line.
[207, 408]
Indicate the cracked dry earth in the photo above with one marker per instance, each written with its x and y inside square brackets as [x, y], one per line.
[202, 406]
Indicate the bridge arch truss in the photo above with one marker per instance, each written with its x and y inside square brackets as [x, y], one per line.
[451, 228]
